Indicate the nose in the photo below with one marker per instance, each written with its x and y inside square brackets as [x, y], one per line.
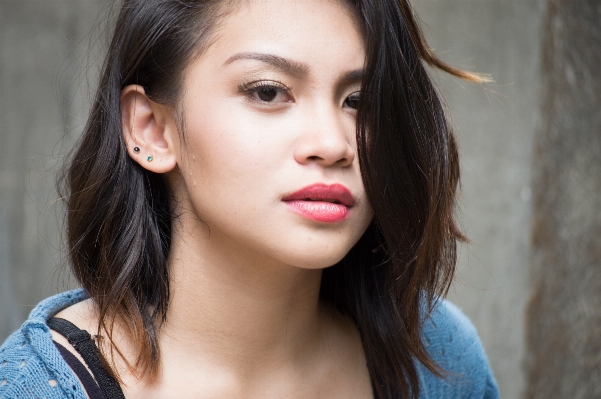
[327, 139]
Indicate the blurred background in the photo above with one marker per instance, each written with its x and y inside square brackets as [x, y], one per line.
[530, 145]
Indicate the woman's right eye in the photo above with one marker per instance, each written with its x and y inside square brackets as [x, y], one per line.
[266, 91]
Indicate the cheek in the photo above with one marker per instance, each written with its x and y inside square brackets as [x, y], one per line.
[230, 155]
[231, 141]
[223, 146]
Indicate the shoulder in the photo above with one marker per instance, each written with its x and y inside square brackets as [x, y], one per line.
[30, 364]
[447, 332]
[453, 343]
[23, 372]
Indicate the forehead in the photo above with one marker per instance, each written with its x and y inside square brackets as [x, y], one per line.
[322, 33]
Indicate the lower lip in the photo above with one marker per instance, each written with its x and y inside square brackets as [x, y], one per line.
[320, 211]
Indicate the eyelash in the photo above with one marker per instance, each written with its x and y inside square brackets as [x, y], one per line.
[252, 87]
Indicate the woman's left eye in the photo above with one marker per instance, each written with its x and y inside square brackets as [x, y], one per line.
[266, 92]
[352, 101]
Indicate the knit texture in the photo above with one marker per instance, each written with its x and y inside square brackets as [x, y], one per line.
[30, 364]
[453, 343]
[32, 367]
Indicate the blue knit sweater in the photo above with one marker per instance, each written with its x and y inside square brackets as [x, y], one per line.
[32, 367]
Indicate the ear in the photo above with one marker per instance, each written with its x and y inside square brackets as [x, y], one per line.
[150, 128]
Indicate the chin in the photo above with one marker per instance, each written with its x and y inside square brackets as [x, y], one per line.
[316, 250]
[315, 258]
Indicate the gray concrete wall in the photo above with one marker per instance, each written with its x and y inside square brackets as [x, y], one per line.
[564, 314]
[43, 101]
[496, 127]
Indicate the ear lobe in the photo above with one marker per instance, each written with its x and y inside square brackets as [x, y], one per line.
[149, 130]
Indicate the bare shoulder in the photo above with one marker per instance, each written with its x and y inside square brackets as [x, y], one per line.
[80, 312]
[83, 314]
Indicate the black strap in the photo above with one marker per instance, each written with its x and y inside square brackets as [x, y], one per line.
[92, 389]
[82, 342]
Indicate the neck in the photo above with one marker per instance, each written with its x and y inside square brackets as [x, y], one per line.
[239, 310]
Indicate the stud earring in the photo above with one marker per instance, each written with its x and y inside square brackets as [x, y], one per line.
[149, 158]
[136, 150]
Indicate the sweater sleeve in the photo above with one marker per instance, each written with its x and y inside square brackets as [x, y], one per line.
[30, 364]
[23, 374]
[453, 343]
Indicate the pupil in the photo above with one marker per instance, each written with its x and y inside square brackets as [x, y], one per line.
[352, 102]
[267, 93]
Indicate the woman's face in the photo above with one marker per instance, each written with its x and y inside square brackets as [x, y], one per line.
[269, 163]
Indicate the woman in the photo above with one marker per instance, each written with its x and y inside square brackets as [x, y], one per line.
[260, 206]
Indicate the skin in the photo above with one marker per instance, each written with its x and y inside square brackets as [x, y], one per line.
[245, 319]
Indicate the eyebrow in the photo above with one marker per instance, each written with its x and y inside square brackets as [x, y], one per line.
[353, 76]
[291, 67]
[288, 66]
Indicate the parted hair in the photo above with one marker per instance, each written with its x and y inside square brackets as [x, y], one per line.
[118, 218]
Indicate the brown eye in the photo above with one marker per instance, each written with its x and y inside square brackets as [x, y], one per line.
[267, 93]
[352, 101]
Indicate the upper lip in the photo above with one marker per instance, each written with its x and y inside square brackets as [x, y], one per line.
[323, 192]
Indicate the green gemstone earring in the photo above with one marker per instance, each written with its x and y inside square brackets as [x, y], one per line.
[149, 158]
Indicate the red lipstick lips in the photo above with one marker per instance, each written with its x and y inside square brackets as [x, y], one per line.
[321, 202]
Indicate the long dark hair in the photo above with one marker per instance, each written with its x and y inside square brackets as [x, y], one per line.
[118, 215]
